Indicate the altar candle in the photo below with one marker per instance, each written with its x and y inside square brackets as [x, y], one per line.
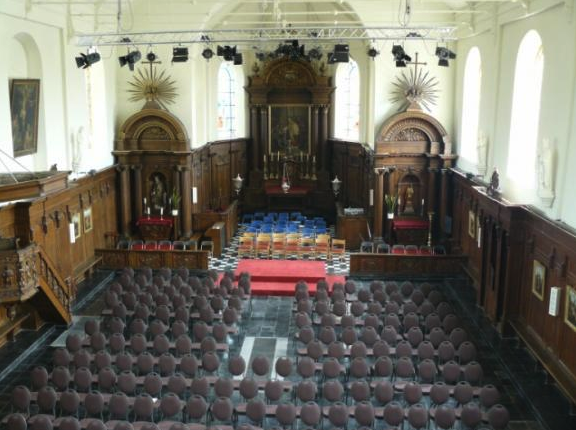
[148, 210]
[313, 159]
[278, 156]
[161, 211]
[422, 202]
[144, 201]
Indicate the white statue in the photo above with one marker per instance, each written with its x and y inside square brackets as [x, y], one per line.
[546, 172]
[482, 153]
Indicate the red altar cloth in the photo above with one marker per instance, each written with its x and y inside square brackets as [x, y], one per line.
[410, 224]
[276, 189]
[155, 220]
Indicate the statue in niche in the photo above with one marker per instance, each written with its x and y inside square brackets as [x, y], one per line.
[482, 153]
[409, 200]
[158, 192]
[546, 172]
[494, 186]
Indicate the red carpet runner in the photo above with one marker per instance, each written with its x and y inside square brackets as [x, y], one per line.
[279, 277]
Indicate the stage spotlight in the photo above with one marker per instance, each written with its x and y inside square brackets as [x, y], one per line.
[341, 54]
[228, 52]
[86, 60]
[400, 56]
[151, 57]
[444, 54]
[179, 54]
[238, 59]
[131, 58]
[207, 53]
[373, 52]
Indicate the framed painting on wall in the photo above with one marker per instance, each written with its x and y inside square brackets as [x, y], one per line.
[24, 105]
[289, 129]
[87, 219]
[538, 279]
[471, 224]
[76, 224]
[570, 307]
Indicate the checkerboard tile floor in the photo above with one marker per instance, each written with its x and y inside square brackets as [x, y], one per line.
[229, 258]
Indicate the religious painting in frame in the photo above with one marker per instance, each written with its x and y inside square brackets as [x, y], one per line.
[87, 219]
[77, 226]
[538, 279]
[289, 129]
[570, 307]
[471, 224]
[24, 106]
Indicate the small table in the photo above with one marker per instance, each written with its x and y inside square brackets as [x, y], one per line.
[155, 228]
[410, 231]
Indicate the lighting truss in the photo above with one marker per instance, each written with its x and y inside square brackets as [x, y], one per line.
[263, 35]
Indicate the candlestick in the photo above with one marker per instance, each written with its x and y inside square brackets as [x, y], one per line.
[144, 201]
[148, 211]
[161, 213]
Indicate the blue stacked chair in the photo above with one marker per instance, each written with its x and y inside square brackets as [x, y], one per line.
[308, 232]
[321, 230]
[247, 219]
[267, 228]
[295, 215]
[259, 216]
[283, 216]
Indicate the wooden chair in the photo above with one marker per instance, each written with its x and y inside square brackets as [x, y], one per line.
[246, 247]
[262, 248]
[323, 246]
[278, 245]
[338, 247]
[292, 245]
[307, 247]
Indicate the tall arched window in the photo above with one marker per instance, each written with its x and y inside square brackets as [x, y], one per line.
[526, 111]
[471, 105]
[227, 116]
[347, 102]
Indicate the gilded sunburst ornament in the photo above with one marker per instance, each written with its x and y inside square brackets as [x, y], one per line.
[153, 86]
[417, 88]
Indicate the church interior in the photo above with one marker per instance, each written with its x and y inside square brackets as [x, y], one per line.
[271, 214]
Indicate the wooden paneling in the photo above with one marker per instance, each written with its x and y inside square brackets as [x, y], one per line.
[119, 258]
[213, 167]
[500, 265]
[394, 266]
[352, 163]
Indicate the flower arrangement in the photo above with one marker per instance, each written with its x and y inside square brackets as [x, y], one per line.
[391, 202]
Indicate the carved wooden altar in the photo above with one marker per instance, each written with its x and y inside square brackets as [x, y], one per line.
[412, 158]
[289, 83]
[153, 156]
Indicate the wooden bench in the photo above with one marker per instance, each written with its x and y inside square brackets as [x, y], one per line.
[86, 269]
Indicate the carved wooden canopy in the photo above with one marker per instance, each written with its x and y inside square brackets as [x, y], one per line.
[152, 130]
[289, 81]
[412, 132]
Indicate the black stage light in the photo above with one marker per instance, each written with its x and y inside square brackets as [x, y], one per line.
[131, 58]
[373, 52]
[400, 56]
[444, 54]
[228, 52]
[86, 60]
[341, 54]
[151, 57]
[179, 54]
[207, 53]
[238, 59]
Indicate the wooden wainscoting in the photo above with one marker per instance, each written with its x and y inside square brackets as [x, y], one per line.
[395, 266]
[119, 258]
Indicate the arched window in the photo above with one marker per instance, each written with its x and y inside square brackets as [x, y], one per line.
[226, 125]
[471, 105]
[526, 111]
[347, 102]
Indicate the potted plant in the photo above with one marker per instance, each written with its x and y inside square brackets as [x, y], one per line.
[391, 201]
[175, 202]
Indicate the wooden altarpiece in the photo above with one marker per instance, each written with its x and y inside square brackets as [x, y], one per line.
[295, 86]
[153, 157]
[412, 158]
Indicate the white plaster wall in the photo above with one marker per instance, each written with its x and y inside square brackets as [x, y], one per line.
[37, 44]
[498, 42]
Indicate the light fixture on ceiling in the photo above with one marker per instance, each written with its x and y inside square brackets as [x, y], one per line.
[238, 60]
[228, 52]
[207, 53]
[86, 60]
[131, 58]
[400, 56]
[341, 54]
[151, 56]
[179, 54]
[373, 52]
[444, 54]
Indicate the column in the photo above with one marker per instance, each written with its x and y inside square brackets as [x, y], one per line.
[125, 200]
[431, 198]
[443, 201]
[323, 137]
[263, 130]
[185, 187]
[255, 130]
[315, 129]
[176, 186]
[139, 203]
[379, 203]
